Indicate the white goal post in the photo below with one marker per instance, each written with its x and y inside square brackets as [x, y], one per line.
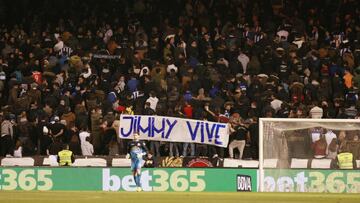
[278, 126]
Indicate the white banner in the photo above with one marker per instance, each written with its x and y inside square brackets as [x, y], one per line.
[171, 129]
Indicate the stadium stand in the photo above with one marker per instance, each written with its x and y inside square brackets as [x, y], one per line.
[66, 74]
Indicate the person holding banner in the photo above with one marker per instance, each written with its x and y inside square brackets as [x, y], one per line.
[240, 135]
[137, 149]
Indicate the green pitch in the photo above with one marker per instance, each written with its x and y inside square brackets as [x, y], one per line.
[177, 197]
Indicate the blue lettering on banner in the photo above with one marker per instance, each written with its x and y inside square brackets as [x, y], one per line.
[202, 132]
[151, 123]
[217, 136]
[156, 130]
[171, 126]
[151, 129]
[123, 134]
[192, 133]
[134, 124]
[144, 130]
[210, 133]
[163, 128]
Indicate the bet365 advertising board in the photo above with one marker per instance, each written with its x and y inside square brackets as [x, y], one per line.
[179, 179]
[120, 179]
[329, 181]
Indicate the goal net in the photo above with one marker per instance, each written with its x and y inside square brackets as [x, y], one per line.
[288, 147]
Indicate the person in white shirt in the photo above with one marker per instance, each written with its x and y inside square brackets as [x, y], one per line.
[329, 136]
[87, 148]
[315, 134]
[244, 60]
[83, 135]
[59, 45]
[275, 103]
[153, 100]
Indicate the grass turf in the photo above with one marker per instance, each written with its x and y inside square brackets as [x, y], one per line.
[177, 197]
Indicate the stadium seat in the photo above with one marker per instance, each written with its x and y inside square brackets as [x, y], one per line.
[17, 161]
[321, 163]
[121, 162]
[235, 163]
[299, 163]
[51, 161]
[270, 163]
[90, 162]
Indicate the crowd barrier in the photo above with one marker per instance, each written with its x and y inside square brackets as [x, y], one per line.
[184, 162]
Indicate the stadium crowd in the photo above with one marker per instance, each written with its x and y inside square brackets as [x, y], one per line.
[68, 69]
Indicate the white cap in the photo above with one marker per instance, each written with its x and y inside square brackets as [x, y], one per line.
[316, 112]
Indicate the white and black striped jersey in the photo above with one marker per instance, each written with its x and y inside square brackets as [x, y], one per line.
[258, 37]
[66, 51]
[136, 94]
[344, 50]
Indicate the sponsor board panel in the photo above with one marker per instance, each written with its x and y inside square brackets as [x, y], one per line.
[120, 179]
[324, 181]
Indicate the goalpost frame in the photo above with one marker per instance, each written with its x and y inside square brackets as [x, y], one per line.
[261, 138]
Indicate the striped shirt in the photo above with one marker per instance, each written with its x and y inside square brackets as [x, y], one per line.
[66, 51]
[258, 37]
[136, 95]
[344, 50]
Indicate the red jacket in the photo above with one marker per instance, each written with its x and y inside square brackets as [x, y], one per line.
[188, 111]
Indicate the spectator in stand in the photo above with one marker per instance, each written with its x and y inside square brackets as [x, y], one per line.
[149, 161]
[87, 148]
[240, 134]
[175, 147]
[319, 147]
[333, 149]
[57, 129]
[108, 134]
[55, 147]
[154, 145]
[114, 147]
[148, 110]
[254, 137]
[188, 113]
[7, 136]
[74, 142]
[153, 100]
[18, 149]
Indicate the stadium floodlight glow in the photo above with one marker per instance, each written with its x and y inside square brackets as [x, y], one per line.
[279, 141]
